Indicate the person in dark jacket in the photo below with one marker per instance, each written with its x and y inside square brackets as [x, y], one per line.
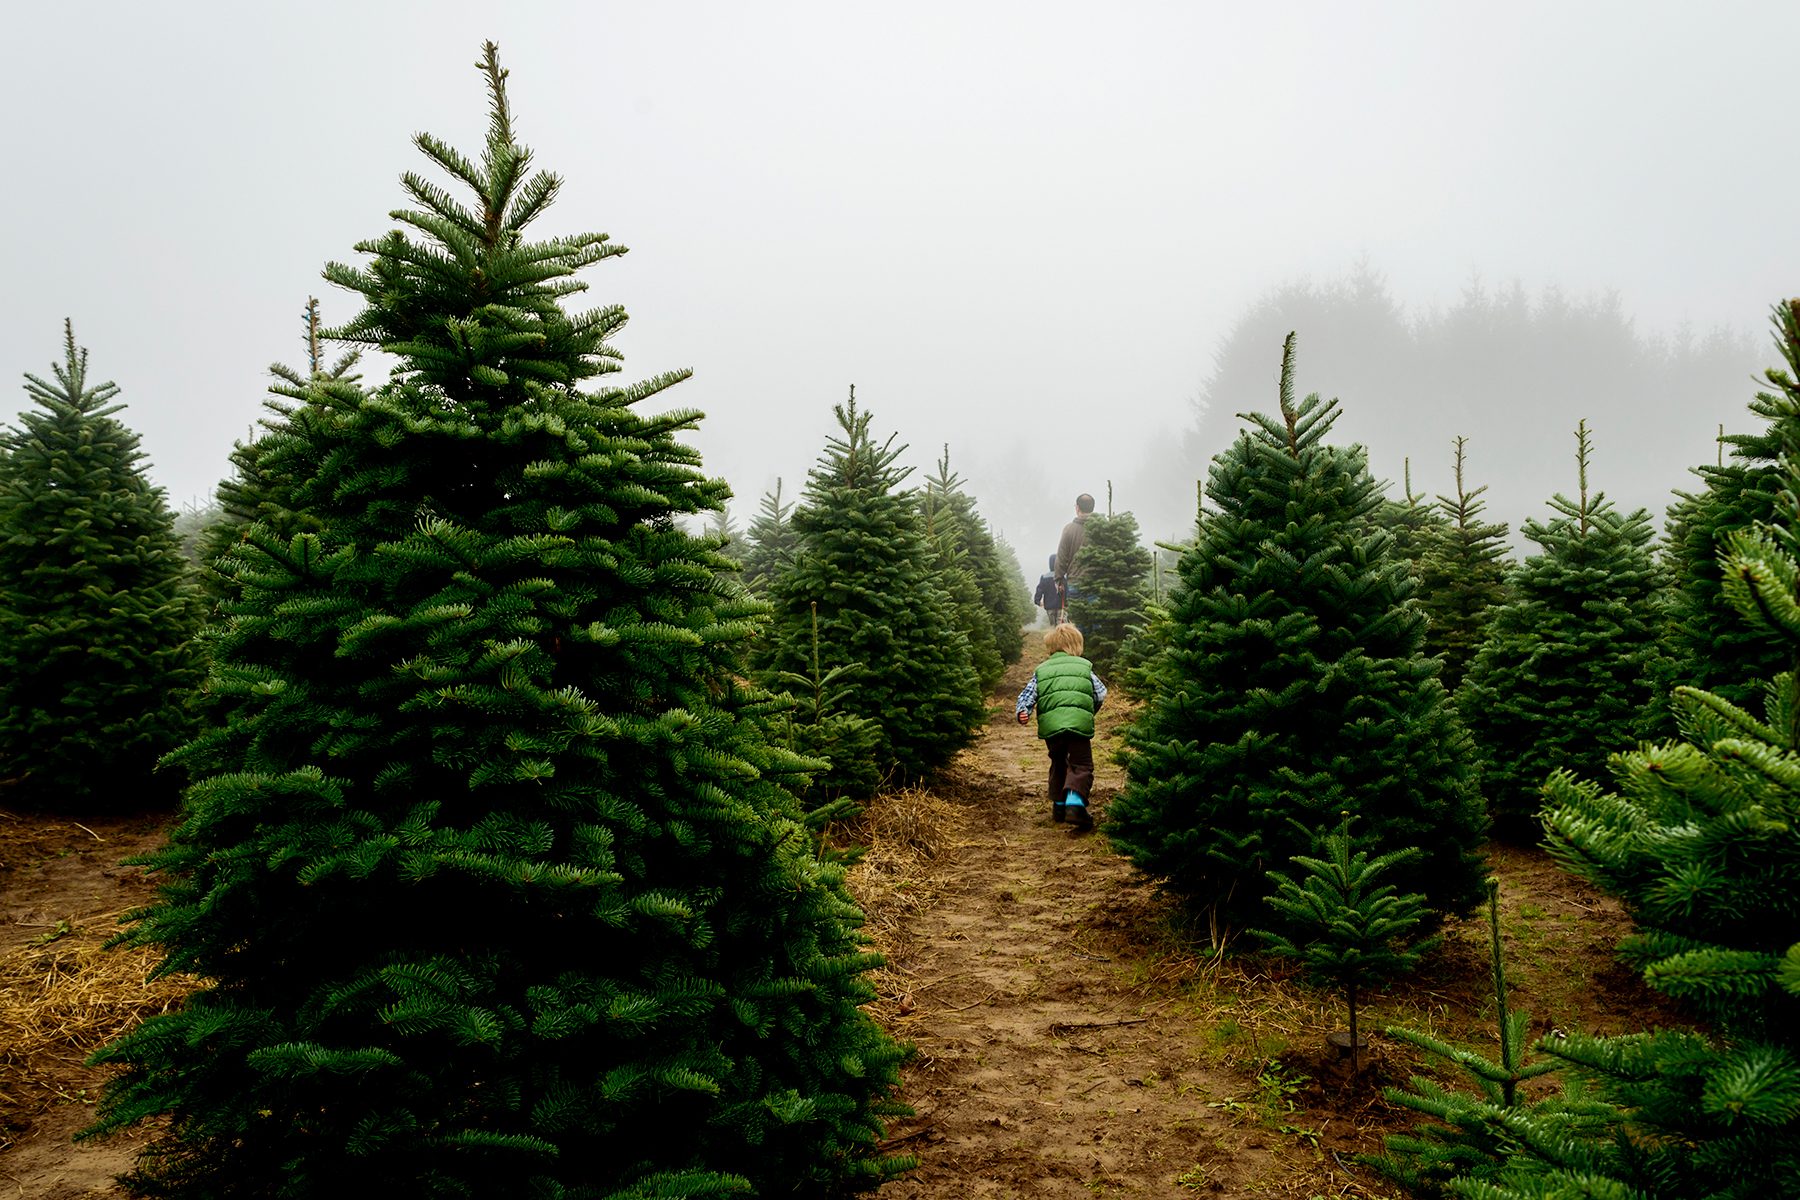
[1066, 693]
[1048, 596]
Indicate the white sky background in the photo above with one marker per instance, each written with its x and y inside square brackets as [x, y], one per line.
[1019, 228]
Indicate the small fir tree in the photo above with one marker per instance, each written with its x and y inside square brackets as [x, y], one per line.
[1292, 687]
[954, 566]
[96, 614]
[1346, 928]
[493, 893]
[1481, 1137]
[1462, 576]
[770, 541]
[1115, 586]
[1414, 523]
[864, 558]
[822, 724]
[1568, 671]
[1709, 647]
[726, 537]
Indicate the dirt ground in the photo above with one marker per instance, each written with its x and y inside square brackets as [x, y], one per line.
[1073, 1036]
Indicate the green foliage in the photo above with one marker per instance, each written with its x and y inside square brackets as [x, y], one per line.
[770, 541]
[1292, 688]
[951, 516]
[1709, 647]
[1346, 928]
[1568, 671]
[1495, 1132]
[954, 570]
[493, 890]
[1415, 525]
[96, 616]
[1461, 570]
[726, 538]
[1114, 587]
[1700, 844]
[865, 560]
[821, 725]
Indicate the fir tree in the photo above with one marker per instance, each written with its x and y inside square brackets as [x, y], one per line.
[96, 615]
[726, 538]
[1115, 586]
[496, 895]
[770, 541]
[1568, 671]
[1414, 524]
[1700, 844]
[1480, 1137]
[994, 569]
[1346, 928]
[864, 558]
[951, 562]
[1292, 688]
[823, 724]
[1462, 576]
[1709, 647]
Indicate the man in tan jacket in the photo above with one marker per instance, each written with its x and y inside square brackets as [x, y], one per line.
[1068, 549]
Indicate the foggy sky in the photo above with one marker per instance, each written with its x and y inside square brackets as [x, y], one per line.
[1023, 229]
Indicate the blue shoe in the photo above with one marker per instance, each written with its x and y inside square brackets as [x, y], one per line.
[1077, 811]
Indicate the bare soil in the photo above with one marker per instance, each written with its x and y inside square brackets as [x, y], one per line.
[1074, 1035]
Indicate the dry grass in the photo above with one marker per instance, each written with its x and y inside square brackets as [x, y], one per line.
[909, 839]
[61, 998]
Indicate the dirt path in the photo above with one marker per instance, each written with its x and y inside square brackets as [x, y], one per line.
[1050, 1064]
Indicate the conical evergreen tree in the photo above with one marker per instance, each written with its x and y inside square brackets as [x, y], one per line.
[1568, 671]
[865, 560]
[1700, 844]
[954, 567]
[1708, 646]
[1115, 586]
[997, 576]
[496, 897]
[727, 539]
[770, 541]
[96, 615]
[1292, 688]
[1414, 523]
[1348, 929]
[250, 494]
[1462, 576]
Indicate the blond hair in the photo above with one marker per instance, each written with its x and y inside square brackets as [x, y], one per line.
[1064, 637]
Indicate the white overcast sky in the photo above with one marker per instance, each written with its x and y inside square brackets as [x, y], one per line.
[1021, 228]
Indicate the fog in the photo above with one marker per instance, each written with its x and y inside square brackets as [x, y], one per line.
[1064, 239]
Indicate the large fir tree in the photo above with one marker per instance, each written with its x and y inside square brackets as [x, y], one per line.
[96, 614]
[1708, 646]
[1568, 671]
[495, 896]
[865, 560]
[1291, 687]
[1700, 842]
[1115, 586]
[1461, 570]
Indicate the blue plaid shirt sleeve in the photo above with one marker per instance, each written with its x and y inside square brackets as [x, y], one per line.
[1099, 689]
[1028, 697]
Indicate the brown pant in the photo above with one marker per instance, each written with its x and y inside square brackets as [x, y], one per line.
[1071, 765]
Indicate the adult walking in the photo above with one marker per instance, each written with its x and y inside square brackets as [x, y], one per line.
[1068, 549]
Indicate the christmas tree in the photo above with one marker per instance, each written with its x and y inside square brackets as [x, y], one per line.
[1699, 842]
[1292, 687]
[1568, 671]
[770, 541]
[1114, 588]
[496, 896]
[1462, 576]
[951, 510]
[727, 539]
[1708, 646]
[951, 562]
[864, 558]
[1348, 929]
[96, 614]
[1414, 523]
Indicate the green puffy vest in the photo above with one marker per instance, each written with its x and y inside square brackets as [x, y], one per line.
[1065, 696]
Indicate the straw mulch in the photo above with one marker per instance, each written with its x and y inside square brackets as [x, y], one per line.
[63, 996]
[909, 841]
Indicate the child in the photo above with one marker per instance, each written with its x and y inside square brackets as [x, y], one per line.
[1066, 693]
[1049, 595]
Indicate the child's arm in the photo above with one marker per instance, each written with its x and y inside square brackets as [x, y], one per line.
[1099, 690]
[1027, 700]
